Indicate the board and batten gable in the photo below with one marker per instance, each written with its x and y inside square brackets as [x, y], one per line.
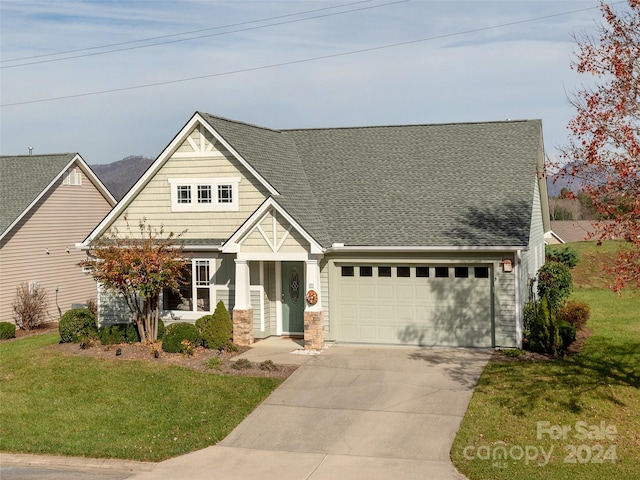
[199, 156]
[41, 247]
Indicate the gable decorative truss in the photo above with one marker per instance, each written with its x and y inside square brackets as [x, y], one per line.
[200, 137]
[274, 226]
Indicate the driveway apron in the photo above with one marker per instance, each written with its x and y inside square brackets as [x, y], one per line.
[351, 412]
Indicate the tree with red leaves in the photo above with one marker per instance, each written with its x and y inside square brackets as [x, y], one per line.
[138, 268]
[603, 153]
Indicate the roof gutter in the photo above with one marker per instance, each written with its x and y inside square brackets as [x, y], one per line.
[337, 248]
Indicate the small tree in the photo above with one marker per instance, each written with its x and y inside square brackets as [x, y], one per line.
[555, 284]
[29, 306]
[138, 267]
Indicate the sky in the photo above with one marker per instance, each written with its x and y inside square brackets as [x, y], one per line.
[113, 78]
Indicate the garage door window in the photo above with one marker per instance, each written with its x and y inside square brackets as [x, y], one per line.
[366, 271]
[403, 272]
[461, 272]
[422, 272]
[481, 272]
[442, 272]
[347, 271]
[384, 271]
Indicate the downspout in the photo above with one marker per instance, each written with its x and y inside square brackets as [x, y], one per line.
[516, 272]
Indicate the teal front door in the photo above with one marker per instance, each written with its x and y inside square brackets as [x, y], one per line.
[292, 297]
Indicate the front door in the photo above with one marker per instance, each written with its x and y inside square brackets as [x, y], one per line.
[292, 297]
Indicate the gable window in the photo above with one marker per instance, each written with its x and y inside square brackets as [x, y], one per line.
[204, 194]
[73, 176]
[225, 193]
[184, 194]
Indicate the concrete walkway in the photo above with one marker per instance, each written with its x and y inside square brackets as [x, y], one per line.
[351, 412]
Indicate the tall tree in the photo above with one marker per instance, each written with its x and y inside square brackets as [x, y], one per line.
[138, 267]
[604, 145]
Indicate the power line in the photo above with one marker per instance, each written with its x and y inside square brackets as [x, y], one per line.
[36, 62]
[295, 62]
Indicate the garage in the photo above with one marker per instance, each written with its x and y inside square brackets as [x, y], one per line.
[419, 304]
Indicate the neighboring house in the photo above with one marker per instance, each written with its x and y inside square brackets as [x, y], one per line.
[48, 204]
[417, 234]
[573, 231]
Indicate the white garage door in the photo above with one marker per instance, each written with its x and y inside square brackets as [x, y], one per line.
[413, 304]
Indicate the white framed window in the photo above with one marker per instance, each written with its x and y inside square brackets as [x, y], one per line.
[197, 284]
[73, 176]
[204, 194]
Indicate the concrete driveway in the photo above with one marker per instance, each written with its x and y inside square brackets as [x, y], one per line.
[351, 412]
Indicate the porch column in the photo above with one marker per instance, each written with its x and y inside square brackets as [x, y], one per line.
[313, 314]
[242, 310]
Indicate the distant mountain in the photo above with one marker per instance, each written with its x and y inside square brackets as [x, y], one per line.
[121, 175]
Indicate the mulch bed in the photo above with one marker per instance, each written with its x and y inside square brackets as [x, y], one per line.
[200, 360]
[525, 356]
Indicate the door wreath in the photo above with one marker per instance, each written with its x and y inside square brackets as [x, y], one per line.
[312, 297]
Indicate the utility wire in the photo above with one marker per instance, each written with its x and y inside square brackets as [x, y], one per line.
[295, 62]
[36, 62]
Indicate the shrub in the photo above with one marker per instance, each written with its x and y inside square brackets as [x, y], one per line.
[119, 333]
[555, 283]
[29, 306]
[175, 334]
[565, 255]
[7, 330]
[575, 313]
[543, 335]
[161, 329]
[567, 334]
[216, 331]
[92, 305]
[78, 324]
[242, 364]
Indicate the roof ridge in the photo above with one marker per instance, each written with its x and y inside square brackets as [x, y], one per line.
[405, 125]
[27, 155]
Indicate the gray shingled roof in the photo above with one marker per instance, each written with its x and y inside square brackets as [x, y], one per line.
[23, 178]
[469, 184]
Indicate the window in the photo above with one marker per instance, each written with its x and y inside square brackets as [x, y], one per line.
[481, 272]
[422, 272]
[384, 271]
[204, 194]
[196, 284]
[403, 272]
[366, 271]
[347, 271]
[225, 193]
[442, 272]
[461, 272]
[73, 176]
[184, 194]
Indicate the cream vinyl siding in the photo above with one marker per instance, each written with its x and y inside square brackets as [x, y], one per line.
[154, 201]
[63, 217]
[505, 306]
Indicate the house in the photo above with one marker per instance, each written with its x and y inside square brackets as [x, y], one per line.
[48, 204]
[414, 234]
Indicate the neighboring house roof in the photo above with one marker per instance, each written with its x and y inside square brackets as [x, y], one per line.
[465, 184]
[24, 179]
[574, 230]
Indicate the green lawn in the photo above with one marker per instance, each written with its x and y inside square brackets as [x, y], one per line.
[57, 404]
[572, 418]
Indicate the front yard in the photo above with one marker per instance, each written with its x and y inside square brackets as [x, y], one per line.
[55, 403]
[570, 418]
